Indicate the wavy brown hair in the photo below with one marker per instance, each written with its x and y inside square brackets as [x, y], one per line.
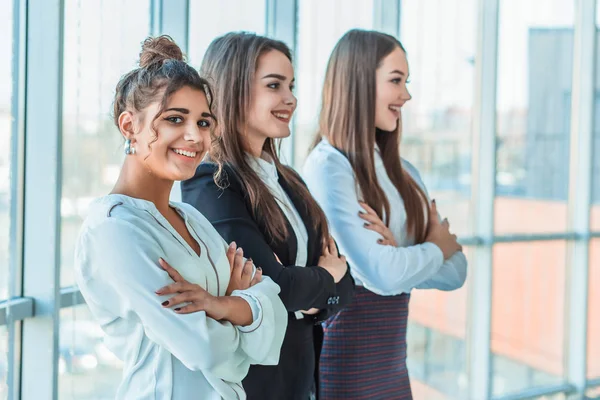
[229, 65]
[347, 121]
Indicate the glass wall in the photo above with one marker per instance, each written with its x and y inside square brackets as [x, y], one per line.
[87, 369]
[7, 78]
[530, 261]
[436, 123]
[208, 22]
[320, 24]
[533, 110]
[92, 157]
[593, 364]
[436, 139]
[6, 141]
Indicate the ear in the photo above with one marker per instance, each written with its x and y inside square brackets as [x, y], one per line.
[127, 124]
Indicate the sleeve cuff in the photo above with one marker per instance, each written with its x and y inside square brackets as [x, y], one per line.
[256, 308]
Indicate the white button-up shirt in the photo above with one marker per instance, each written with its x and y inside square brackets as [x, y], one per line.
[167, 355]
[385, 270]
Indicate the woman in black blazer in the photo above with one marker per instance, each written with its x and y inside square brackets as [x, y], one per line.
[265, 207]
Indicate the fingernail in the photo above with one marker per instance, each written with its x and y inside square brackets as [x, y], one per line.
[361, 212]
[165, 303]
[259, 268]
[250, 259]
[433, 201]
[232, 245]
[365, 224]
[379, 241]
[239, 250]
[178, 309]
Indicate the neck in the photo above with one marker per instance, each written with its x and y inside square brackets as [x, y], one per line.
[136, 181]
[255, 144]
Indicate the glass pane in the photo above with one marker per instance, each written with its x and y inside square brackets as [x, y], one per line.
[595, 213]
[436, 135]
[437, 346]
[93, 64]
[86, 368]
[4, 362]
[533, 114]
[209, 19]
[593, 350]
[593, 393]
[320, 26]
[6, 119]
[528, 297]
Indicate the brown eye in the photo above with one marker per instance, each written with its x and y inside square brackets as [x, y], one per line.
[175, 120]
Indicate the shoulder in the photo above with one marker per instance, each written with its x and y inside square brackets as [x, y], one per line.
[413, 172]
[117, 220]
[205, 177]
[325, 158]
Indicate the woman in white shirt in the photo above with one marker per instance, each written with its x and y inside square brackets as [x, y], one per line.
[186, 333]
[379, 212]
[252, 198]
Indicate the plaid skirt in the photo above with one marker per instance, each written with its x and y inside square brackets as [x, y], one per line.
[364, 350]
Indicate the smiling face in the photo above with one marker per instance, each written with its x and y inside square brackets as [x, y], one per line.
[180, 138]
[392, 93]
[272, 101]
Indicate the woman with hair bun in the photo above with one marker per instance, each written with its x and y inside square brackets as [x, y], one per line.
[184, 333]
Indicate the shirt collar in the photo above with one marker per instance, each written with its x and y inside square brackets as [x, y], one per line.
[264, 166]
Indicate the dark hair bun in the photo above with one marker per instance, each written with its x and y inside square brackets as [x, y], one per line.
[159, 49]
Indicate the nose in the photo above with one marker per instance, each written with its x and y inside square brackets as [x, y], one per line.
[198, 136]
[406, 96]
[290, 100]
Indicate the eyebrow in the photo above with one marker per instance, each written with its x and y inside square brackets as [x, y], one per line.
[186, 111]
[397, 71]
[277, 76]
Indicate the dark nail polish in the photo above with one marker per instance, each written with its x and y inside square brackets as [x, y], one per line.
[250, 259]
[365, 224]
[178, 309]
[165, 303]
[259, 268]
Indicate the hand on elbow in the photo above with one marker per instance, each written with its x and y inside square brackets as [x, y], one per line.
[439, 234]
[196, 297]
[241, 271]
[332, 262]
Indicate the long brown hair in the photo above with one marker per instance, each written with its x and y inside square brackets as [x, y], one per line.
[347, 121]
[230, 64]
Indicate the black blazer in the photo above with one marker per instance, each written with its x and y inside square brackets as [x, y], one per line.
[302, 287]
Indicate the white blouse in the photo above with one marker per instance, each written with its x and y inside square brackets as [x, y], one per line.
[385, 270]
[167, 355]
[267, 171]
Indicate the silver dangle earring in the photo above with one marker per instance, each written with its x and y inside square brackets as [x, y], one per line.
[129, 149]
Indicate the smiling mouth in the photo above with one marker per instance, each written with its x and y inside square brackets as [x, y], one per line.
[189, 154]
[282, 116]
[395, 109]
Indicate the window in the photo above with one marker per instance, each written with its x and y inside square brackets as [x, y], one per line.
[533, 112]
[528, 289]
[320, 25]
[92, 145]
[208, 21]
[92, 157]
